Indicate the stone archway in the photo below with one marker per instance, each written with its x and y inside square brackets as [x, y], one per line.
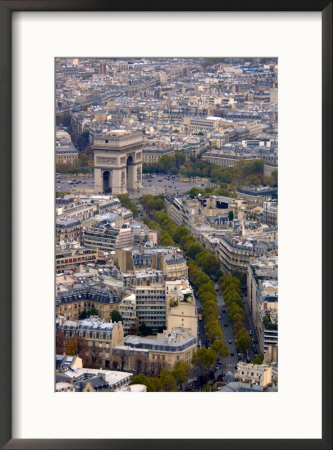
[118, 162]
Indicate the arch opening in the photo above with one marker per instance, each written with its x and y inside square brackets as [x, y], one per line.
[130, 173]
[106, 182]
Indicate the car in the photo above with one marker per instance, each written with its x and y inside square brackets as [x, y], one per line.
[218, 367]
[225, 324]
[230, 341]
[232, 354]
[223, 310]
[219, 317]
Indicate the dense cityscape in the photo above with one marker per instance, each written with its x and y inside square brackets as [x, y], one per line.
[166, 224]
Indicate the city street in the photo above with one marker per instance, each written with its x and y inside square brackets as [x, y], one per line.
[167, 185]
[74, 184]
[159, 184]
[230, 362]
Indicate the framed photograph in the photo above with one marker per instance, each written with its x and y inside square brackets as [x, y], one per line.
[155, 167]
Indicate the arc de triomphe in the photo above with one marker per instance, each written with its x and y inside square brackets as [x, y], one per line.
[118, 162]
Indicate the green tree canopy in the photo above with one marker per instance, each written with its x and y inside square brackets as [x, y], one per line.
[169, 383]
[116, 316]
[204, 358]
[181, 372]
[143, 379]
[258, 359]
[220, 348]
[243, 340]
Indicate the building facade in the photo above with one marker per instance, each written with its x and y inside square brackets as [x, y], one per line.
[151, 305]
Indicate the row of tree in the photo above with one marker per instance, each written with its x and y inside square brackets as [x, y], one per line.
[126, 202]
[166, 164]
[231, 290]
[168, 381]
[225, 189]
[152, 203]
[243, 173]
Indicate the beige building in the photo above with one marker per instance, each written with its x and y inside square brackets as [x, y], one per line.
[71, 258]
[181, 307]
[125, 261]
[235, 253]
[66, 155]
[124, 238]
[174, 266]
[262, 295]
[220, 158]
[68, 228]
[153, 155]
[153, 353]
[71, 303]
[99, 336]
[127, 308]
[260, 374]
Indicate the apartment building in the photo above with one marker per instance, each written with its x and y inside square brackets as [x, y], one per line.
[101, 237]
[235, 252]
[79, 299]
[70, 258]
[270, 213]
[220, 158]
[262, 289]
[181, 306]
[151, 305]
[66, 155]
[258, 374]
[152, 155]
[156, 353]
[127, 309]
[99, 337]
[68, 229]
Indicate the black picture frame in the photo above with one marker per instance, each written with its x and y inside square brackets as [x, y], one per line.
[6, 9]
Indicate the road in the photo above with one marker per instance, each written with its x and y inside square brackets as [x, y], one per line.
[66, 184]
[230, 362]
[160, 184]
[249, 326]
